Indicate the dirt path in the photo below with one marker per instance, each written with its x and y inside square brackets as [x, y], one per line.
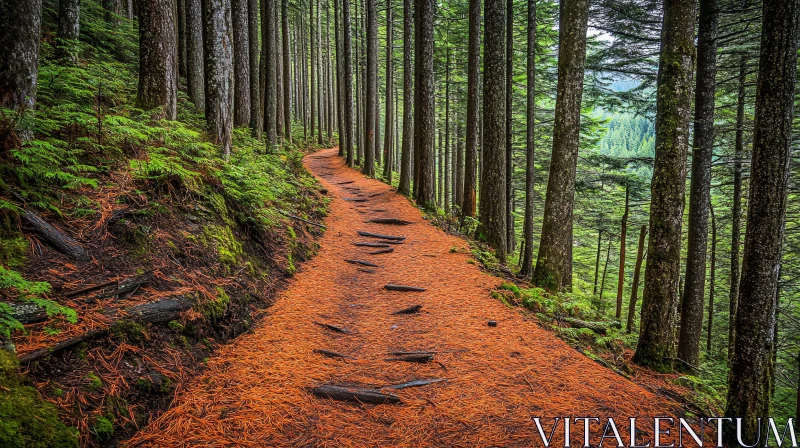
[255, 391]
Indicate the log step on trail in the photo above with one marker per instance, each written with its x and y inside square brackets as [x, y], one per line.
[345, 183]
[417, 352]
[355, 199]
[393, 287]
[358, 394]
[410, 310]
[390, 242]
[415, 383]
[382, 251]
[390, 221]
[381, 236]
[418, 357]
[334, 328]
[368, 244]
[331, 354]
[365, 270]
[362, 263]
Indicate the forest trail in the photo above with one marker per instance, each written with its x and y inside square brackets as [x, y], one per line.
[255, 391]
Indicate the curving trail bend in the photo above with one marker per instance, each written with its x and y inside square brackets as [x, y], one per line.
[255, 391]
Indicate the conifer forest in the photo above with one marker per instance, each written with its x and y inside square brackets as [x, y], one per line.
[444, 223]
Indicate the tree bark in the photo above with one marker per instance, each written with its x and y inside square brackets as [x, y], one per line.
[372, 90]
[601, 304]
[256, 111]
[287, 75]
[493, 180]
[318, 44]
[468, 207]
[510, 239]
[636, 275]
[597, 260]
[158, 52]
[347, 87]
[555, 243]
[530, 143]
[328, 78]
[339, 85]
[113, 8]
[268, 55]
[458, 183]
[622, 237]
[736, 207]
[195, 72]
[750, 380]
[279, 112]
[448, 174]
[700, 189]
[217, 50]
[712, 280]
[406, 160]
[241, 63]
[389, 119]
[673, 110]
[180, 16]
[424, 101]
[69, 29]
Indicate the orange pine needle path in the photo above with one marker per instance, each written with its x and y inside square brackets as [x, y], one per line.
[255, 391]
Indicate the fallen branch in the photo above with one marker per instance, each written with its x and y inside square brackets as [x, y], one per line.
[163, 310]
[355, 199]
[330, 354]
[381, 236]
[420, 358]
[362, 263]
[91, 288]
[382, 251]
[345, 183]
[129, 285]
[26, 312]
[410, 310]
[597, 327]
[418, 352]
[390, 221]
[393, 287]
[58, 239]
[368, 244]
[302, 220]
[390, 242]
[415, 383]
[334, 328]
[358, 394]
[368, 271]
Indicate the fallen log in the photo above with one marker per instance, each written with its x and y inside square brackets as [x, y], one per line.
[58, 239]
[345, 183]
[382, 251]
[381, 236]
[410, 310]
[390, 242]
[393, 287]
[129, 285]
[331, 354]
[415, 383]
[418, 352]
[302, 220]
[355, 199]
[333, 328]
[358, 394]
[597, 327]
[362, 263]
[368, 244]
[368, 271]
[390, 221]
[26, 312]
[420, 358]
[163, 310]
[91, 288]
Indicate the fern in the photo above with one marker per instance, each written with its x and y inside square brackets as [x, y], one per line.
[27, 291]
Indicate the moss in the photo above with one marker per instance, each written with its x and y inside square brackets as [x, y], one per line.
[175, 326]
[13, 251]
[228, 248]
[129, 331]
[26, 420]
[95, 382]
[103, 427]
[215, 308]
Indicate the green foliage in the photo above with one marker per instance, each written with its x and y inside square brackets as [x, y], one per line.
[103, 427]
[26, 420]
[95, 382]
[13, 283]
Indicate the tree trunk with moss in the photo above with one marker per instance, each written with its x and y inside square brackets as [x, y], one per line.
[673, 111]
[749, 383]
[256, 113]
[218, 49]
[158, 58]
[553, 264]
[195, 72]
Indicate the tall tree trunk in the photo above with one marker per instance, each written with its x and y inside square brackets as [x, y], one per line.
[713, 278]
[287, 75]
[21, 22]
[736, 207]
[372, 90]
[622, 237]
[468, 207]
[458, 183]
[339, 85]
[268, 54]
[113, 8]
[493, 180]
[256, 112]
[424, 102]
[441, 170]
[597, 260]
[218, 57]
[181, 19]
[69, 29]
[328, 79]
[555, 244]
[195, 72]
[673, 110]
[241, 63]
[447, 172]
[510, 239]
[389, 119]
[600, 301]
[749, 384]
[279, 112]
[700, 190]
[313, 86]
[320, 83]
[158, 52]
[530, 143]
[347, 87]
[406, 163]
[637, 270]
